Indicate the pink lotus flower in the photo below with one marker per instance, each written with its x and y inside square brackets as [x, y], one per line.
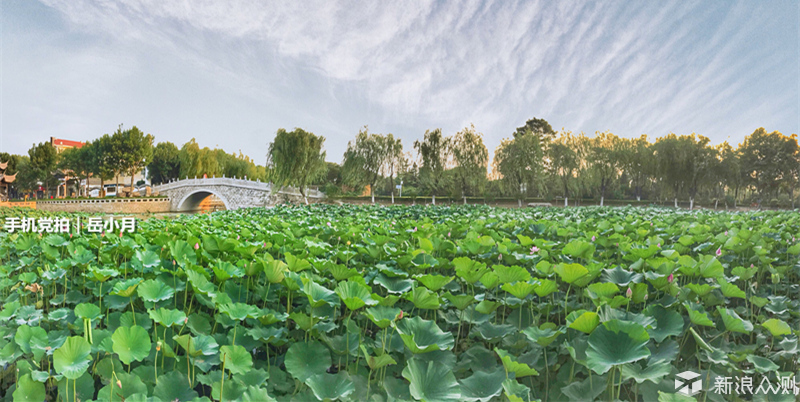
[658, 245]
[499, 257]
[726, 233]
[594, 238]
[196, 246]
[670, 278]
[237, 237]
[751, 265]
[534, 249]
[448, 234]
[265, 244]
[719, 251]
[629, 293]
[415, 228]
[329, 224]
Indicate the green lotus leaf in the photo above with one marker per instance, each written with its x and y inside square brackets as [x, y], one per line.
[422, 336]
[72, 359]
[319, 295]
[306, 359]
[382, 316]
[469, 270]
[762, 364]
[711, 268]
[616, 343]
[579, 249]
[733, 322]
[29, 390]
[87, 311]
[131, 343]
[257, 394]
[423, 298]
[490, 280]
[236, 359]
[275, 271]
[355, 295]
[341, 272]
[602, 289]
[154, 291]
[434, 282]
[668, 323]
[147, 258]
[460, 302]
[32, 340]
[431, 381]
[393, 285]
[197, 346]
[654, 372]
[126, 288]
[483, 385]
[511, 274]
[424, 259]
[240, 311]
[586, 390]
[167, 317]
[101, 274]
[487, 307]
[543, 336]
[777, 327]
[376, 362]
[224, 270]
[331, 386]
[570, 273]
[584, 321]
[174, 386]
[303, 321]
[296, 264]
[513, 366]
[492, 332]
[519, 290]
[620, 276]
[387, 301]
[730, 290]
[700, 290]
[698, 317]
[268, 334]
[545, 287]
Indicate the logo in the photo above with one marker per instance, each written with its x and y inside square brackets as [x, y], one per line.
[684, 384]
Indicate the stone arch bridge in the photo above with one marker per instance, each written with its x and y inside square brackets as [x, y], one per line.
[189, 194]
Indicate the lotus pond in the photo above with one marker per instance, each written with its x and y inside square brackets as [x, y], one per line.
[402, 303]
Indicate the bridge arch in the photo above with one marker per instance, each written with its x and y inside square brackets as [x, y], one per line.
[192, 200]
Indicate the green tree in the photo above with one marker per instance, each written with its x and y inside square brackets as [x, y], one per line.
[296, 158]
[768, 160]
[364, 159]
[394, 161]
[166, 163]
[566, 154]
[135, 150]
[101, 164]
[604, 160]
[43, 161]
[670, 163]
[433, 150]
[538, 127]
[699, 159]
[637, 161]
[196, 161]
[76, 161]
[519, 163]
[471, 158]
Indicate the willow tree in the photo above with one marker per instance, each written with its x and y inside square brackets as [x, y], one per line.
[364, 158]
[433, 152]
[295, 158]
[604, 160]
[470, 157]
[519, 163]
[566, 154]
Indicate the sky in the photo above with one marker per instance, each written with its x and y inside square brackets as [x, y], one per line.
[231, 73]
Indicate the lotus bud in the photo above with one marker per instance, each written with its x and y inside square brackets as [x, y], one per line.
[120, 234]
[448, 234]
[196, 246]
[645, 296]
[70, 235]
[629, 293]
[119, 384]
[719, 251]
[751, 265]
[158, 346]
[670, 278]
[499, 257]
[658, 245]
[103, 234]
[594, 238]
[400, 316]
[726, 233]
[185, 320]
[329, 224]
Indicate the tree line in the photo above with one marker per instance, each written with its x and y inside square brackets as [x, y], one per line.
[538, 162]
[126, 152]
[534, 162]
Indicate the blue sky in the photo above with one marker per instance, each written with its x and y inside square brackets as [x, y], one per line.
[231, 74]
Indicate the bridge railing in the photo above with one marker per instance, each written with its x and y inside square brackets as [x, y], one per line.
[233, 182]
[213, 181]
